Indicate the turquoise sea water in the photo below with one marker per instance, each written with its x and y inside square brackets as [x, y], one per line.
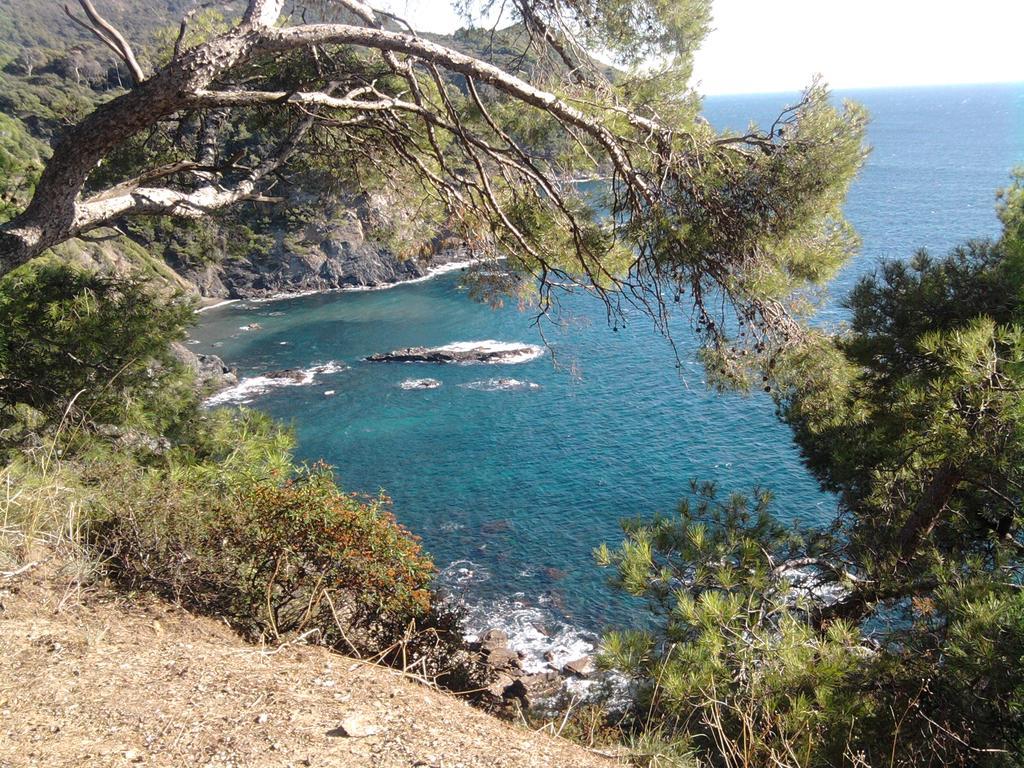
[515, 487]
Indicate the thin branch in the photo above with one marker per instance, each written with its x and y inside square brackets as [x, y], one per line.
[109, 36]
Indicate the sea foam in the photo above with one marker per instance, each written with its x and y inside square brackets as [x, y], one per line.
[544, 641]
[248, 389]
[524, 353]
[497, 385]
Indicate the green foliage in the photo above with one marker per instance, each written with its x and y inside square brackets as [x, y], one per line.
[21, 162]
[226, 522]
[915, 417]
[234, 527]
[895, 634]
[80, 346]
[922, 397]
[733, 670]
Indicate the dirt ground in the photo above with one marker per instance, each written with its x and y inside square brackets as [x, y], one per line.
[95, 678]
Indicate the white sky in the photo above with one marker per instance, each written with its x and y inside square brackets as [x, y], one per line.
[759, 46]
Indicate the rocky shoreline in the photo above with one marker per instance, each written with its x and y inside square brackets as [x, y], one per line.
[509, 681]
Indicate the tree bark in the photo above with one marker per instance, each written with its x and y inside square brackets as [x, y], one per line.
[929, 508]
[56, 212]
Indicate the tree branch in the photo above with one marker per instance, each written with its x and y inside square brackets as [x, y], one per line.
[109, 36]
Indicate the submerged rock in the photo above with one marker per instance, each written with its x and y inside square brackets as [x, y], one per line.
[500, 385]
[420, 384]
[294, 374]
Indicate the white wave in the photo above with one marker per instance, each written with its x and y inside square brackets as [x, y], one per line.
[248, 389]
[430, 274]
[420, 384]
[462, 572]
[545, 643]
[808, 582]
[495, 385]
[214, 306]
[523, 353]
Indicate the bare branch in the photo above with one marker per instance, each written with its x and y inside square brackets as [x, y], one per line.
[109, 36]
[262, 14]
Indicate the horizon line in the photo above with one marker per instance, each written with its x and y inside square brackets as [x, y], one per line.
[838, 89]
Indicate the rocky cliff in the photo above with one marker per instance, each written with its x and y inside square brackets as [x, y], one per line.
[330, 252]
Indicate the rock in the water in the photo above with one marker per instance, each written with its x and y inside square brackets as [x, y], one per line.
[294, 374]
[466, 352]
[531, 689]
[420, 384]
[493, 638]
[581, 667]
[210, 371]
[553, 574]
[541, 686]
[503, 658]
[212, 368]
[496, 526]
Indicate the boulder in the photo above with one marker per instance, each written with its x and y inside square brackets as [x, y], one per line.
[420, 384]
[501, 683]
[542, 685]
[493, 638]
[531, 689]
[582, 667]
[503, 658]
[210, 371]
[289, 373]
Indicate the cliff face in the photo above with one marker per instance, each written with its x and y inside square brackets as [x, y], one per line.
[305, 246]
[330, 256]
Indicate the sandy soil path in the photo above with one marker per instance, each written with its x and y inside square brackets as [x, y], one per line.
[96, 679]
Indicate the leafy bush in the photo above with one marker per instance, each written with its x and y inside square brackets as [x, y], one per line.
[231, 527]
[91, 348]
[277, 556]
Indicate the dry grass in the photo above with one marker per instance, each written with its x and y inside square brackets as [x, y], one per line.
[41, 515]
